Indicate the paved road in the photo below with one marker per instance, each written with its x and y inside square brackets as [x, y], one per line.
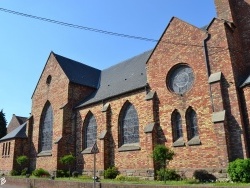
[12, 186]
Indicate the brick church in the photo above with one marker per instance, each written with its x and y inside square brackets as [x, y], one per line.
[191, 93]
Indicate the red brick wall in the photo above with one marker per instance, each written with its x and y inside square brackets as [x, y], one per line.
[59, 94]
[6, 161]
[125, 161]
[167, 54]
[223, 58]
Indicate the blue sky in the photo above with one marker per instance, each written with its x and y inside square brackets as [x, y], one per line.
[26, 43]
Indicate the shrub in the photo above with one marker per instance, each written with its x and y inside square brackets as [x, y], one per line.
[14, 173]
[126, 178]
[204, 176]
[22, 160]
[24, 171]
[62, 173]
[40, 172]
[75, 174]
[170, 174]
[238, 170]
[162, 155]
[111, 173]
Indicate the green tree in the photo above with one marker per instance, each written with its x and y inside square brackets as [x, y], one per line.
[162, 155]
[22, 161]
[3, 124]
[68, 160]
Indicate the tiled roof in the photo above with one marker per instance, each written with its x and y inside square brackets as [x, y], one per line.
[79, 73]
[19, 132]
[120, 78]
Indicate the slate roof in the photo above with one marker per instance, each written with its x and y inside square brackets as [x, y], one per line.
[19, 132]
[79, 73]
[120, 78]
[21, 120]
[247, 82]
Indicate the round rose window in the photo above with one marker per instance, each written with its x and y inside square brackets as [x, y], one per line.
[180, 79]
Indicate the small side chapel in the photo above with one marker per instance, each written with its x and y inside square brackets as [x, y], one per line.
[191, 93]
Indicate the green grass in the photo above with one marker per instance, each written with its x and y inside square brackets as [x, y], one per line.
[150, 182]
[190, 182]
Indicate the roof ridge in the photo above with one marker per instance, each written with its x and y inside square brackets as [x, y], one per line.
[127, 60]
[75, 61]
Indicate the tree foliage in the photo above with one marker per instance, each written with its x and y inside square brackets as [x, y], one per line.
[22, 160]
[162, 155]
[238, 170]
[3, 124]
[68, 160]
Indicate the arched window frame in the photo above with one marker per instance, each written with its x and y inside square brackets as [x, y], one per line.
[176, 125]
[192, 127]
[46, 130]
[129, 136]
[89, 134]
[177, 131]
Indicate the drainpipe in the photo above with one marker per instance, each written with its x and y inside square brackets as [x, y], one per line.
[208, 67]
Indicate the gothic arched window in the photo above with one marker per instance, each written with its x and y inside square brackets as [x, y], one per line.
[192, 126]
[46, 128]
[129, 125]
[90, 131]
[176, 125]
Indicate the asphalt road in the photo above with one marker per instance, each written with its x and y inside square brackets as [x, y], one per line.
[12, 186]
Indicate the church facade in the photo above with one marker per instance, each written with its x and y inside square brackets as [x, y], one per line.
[191, 93]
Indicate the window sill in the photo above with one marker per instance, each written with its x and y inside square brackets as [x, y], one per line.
[44, 153]
[179, 142]
[194, 141]
[129, 147]
[87, 151]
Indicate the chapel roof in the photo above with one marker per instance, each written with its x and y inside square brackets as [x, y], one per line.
[19, 132]
[123, 77]
[79, 73]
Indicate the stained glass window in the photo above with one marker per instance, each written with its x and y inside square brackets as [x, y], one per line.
[176, 125]
[90, 131]
[180, 79]
[129, 125]
[192, 126]
[46, 131]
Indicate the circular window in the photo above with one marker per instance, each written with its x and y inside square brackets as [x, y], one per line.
[180, 79]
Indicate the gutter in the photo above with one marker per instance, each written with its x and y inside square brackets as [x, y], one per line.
[208, 67]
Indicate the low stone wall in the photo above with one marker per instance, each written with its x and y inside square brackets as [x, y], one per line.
[45, 183]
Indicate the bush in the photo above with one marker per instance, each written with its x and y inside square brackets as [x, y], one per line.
[126, 178]
[62, 173]
[22, 160]
[40, 172]
[24, 171]
[238, 170]
[75, 174]
[111, 173]
[170, 174]
[204, 176]
[14, 173]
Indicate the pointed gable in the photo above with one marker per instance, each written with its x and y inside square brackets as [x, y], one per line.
[75, 72]
[15, 122]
